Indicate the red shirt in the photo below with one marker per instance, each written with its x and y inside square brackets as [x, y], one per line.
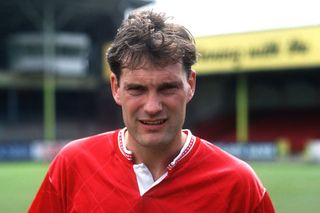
[94, 175]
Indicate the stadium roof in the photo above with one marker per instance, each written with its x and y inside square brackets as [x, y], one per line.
[69, 15]
[98, 18]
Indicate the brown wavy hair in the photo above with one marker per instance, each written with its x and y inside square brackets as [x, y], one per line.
[146, 37]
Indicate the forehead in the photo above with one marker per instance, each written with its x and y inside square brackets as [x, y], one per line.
[154, 74]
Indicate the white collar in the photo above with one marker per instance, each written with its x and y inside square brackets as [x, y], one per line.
[187, 147]
[143, 175]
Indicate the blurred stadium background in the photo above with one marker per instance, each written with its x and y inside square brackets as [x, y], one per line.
[258, 95]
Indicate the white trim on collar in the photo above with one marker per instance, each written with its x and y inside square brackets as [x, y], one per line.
[187, 147]
[143, 175]
[121, 143]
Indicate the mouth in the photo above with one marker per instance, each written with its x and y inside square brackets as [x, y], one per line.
[153, 122]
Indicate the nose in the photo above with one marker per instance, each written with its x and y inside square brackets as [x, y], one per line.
[153, 104]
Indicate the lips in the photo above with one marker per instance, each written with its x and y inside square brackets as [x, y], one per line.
[153, 122]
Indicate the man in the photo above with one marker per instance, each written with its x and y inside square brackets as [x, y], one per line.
[151, 165]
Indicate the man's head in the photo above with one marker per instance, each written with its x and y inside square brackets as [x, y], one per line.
[146, 38]
[152, 79]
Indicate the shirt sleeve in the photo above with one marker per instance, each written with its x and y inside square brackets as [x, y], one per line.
[49, 198]
[265, 205]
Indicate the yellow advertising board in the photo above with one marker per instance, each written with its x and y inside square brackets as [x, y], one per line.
[259, 51]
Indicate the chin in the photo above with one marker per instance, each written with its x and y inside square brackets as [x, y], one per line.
[151, 141]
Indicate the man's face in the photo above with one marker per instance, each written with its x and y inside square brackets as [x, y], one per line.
[153, 102]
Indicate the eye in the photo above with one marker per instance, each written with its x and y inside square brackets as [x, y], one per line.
[169, 88]
[136, 90]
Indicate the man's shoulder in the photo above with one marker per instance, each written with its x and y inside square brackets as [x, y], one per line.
[94, 143]
[212, 151]
[218, 158]
[230, 173]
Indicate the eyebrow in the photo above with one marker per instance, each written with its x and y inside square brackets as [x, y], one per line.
[165, 85]
[134, 86]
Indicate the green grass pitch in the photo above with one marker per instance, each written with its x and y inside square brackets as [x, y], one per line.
[18, 185]
[293, 186]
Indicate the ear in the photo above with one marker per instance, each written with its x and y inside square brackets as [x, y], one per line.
[115, 87]
[192, 83]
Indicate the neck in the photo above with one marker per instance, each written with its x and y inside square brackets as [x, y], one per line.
[157, 158]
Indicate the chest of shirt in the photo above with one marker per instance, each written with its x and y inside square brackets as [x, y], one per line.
[102, 192]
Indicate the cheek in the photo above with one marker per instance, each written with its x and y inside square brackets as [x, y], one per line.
[177, 103]
[131, 106]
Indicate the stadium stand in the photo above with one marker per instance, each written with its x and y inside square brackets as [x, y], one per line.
[296, 126]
